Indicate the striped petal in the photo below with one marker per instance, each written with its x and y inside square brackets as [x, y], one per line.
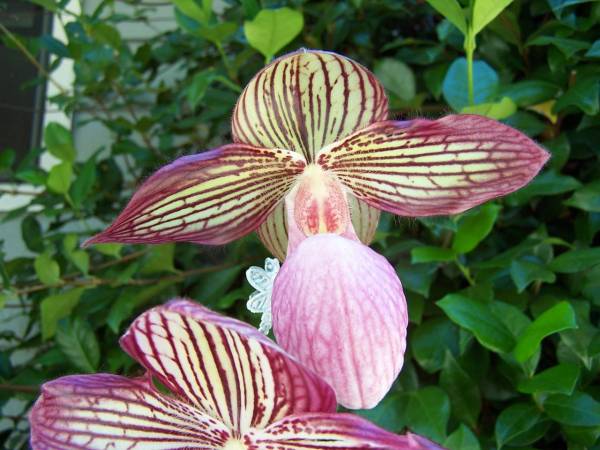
[112, 412]
[433, 167]
[209, 198]
[339, 308]
[224, 367]
[306, 100]
[333, 431]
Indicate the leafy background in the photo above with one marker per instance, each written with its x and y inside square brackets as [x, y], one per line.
[504, 301]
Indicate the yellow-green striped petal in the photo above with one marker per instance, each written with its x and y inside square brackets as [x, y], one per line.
[433, 167]
[209, 198]
[306, 100]
[224, 367]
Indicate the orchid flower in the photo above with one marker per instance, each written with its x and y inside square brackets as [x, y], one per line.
[314, 160]
[231, 389]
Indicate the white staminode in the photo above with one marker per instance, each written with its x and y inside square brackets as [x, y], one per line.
[260, 300]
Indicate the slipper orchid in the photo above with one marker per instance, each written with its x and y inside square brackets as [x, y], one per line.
[314, 160]
[232, 389]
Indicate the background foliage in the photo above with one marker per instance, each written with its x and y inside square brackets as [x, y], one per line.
[504, 301]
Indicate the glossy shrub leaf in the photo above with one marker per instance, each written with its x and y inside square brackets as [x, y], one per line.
[474, 228]
[586, 198]
[56, 307]
[557, 318]
[514, 421]
[484, 11]
[464, 393]
[577, 409]
[31, 231]
[523, 273]
[47, 269]
[452, 11]
[427, 412]
[567, 46]
[60, 177]
[84, 182]
[479, 319]
[59, 142]
[584, 94]
[388, 414]
[430, 341]
[273, 29]
[432, 254]
[397, 78]
[530, 92]
[547, 183]
[455, 87]
[560, 379]
[494, 110]
[191, 9]
[462, 439]
[76, 339]
[575, 260]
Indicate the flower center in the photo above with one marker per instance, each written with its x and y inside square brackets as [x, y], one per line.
[320, 205]
[234, 444]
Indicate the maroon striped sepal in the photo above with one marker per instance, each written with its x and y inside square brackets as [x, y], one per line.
[433, 167]
[209, 198]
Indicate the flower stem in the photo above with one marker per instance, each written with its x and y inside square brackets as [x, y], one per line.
[470, 50]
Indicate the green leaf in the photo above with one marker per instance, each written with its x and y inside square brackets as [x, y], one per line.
[59, 178]
[273, 29]
[484, 11]
[479, 319]
[428, 254]
[560, 379]
[417, 278]
[577, 409]
[191, 9]
[129, 300]
[523, 273]
[32, 234]
[586, 198]
[455, 87]
[198, 86]
[594, 51]
[50, 5]
[213, 286]
[160, 258]
[514, 421]
[76, 339]
[397, 78]
[568, 47]
[59, 142]
[109, 249]
[530, 92]
[473, 228]
[452, 11]
[584, 94]
[498, 110]
[47, 269]
[83, 184]
[547, 183]
[462, 390]
[429, 343]
[576, 260]
[558, 318]
[387, 414]
[56, 307]
[427, 412]
[462, 439]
